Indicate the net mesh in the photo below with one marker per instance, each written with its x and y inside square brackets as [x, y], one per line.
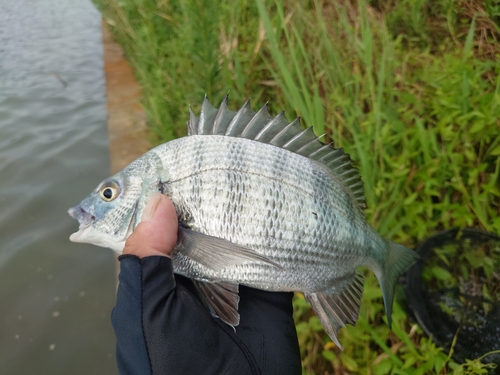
[453, 292]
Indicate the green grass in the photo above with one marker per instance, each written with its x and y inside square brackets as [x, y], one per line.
[410, 88]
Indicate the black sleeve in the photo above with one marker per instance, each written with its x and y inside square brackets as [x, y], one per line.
[162, 327]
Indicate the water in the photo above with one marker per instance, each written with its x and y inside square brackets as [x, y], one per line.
[55, 296]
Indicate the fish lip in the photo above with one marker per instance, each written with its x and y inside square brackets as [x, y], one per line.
[84, 218]
[88, 234]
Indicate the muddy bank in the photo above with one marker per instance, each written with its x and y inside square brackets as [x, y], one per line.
[128, 133]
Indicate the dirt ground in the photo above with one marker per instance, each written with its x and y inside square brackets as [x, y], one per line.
[128, 133]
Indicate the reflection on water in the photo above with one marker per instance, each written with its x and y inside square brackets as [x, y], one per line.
[55, 296]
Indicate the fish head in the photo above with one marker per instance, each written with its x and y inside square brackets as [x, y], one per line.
[110, 213]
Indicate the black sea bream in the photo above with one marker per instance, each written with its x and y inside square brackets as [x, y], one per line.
[261, 202]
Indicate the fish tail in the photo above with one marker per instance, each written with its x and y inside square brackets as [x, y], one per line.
[399, 259]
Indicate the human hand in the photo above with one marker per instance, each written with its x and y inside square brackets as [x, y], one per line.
[156, 234]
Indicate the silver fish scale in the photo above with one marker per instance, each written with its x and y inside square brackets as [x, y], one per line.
[282, 205]
[289, 205]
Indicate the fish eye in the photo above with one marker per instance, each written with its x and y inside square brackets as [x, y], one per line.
[109, 191]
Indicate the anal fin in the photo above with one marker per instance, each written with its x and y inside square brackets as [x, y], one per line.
[221, 299]
[335, 310]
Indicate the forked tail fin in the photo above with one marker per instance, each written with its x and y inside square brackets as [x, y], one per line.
[335, 310]
[399, 259]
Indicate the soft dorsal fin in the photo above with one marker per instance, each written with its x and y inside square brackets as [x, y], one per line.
[277, 131]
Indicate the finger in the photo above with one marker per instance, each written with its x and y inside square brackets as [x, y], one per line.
[157, 232]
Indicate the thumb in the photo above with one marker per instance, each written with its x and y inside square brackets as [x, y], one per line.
[157, 232]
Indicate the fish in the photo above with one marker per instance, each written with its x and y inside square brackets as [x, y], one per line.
[261, 202]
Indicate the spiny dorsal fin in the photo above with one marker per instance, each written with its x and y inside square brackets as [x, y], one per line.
[240, 120]
[269, 130]
[261, 118]
[262, 127]
[207, 117]
[290, 131]
[192, 123]
[222, 118]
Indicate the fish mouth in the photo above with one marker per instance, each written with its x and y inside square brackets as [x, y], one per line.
[88, 234]
[84, 219]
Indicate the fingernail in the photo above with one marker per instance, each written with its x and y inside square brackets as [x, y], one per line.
[149, 211]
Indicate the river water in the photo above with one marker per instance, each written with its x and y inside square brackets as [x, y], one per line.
[55, 296]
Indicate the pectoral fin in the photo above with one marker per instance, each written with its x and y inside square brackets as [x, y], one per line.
[213, 252]
[221, 299]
